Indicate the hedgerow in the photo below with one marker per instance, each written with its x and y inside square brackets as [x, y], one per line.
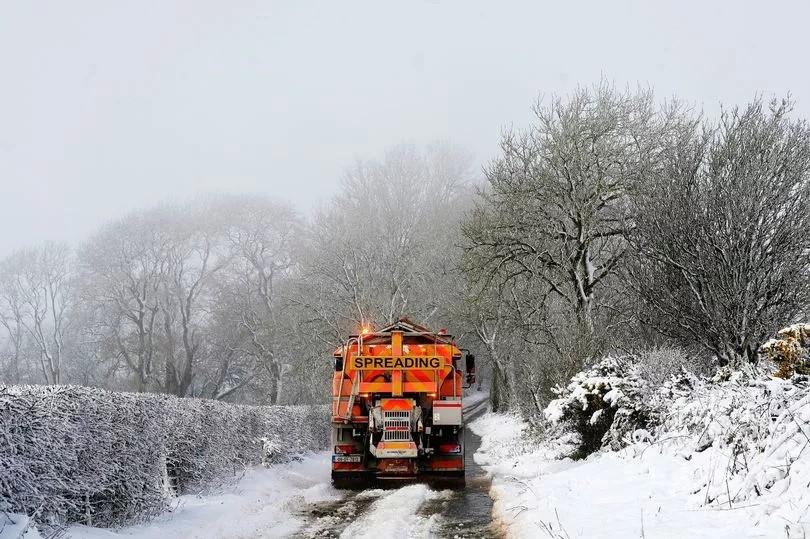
[78, 454]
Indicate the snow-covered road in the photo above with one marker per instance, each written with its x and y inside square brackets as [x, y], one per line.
[292, 500]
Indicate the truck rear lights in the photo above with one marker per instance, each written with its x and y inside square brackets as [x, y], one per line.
[345, 449]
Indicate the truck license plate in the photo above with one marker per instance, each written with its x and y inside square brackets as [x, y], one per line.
[346, 458]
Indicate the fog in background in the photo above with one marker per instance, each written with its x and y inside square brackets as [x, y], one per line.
[106, 107]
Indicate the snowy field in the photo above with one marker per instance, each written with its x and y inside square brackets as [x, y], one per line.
[642, 491]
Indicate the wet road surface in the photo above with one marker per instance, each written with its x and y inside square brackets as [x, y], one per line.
[468, 512]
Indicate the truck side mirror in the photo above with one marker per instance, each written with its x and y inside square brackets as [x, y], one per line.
[470, 366]
[338, 364]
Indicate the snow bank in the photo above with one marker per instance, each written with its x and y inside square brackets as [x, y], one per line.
[77, 454]
[14, 526]
[630, 493]
[721, 457]
[752, 439]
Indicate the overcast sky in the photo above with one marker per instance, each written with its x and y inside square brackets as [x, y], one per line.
[109, 106]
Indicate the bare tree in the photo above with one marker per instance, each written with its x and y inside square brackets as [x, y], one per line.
[722, 231]
[37, 295]
[386, 245]
[192, 262]
[486, 315]
[261, 240]
[14, 369]
[124, 267]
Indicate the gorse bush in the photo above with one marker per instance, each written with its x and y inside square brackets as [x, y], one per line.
[606, 405]
[790, 350]
[77, 454]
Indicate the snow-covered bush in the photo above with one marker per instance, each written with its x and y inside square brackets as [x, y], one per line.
[738, 439]
[78, 454]
[750, 430]
[606, 405]
[755, 429]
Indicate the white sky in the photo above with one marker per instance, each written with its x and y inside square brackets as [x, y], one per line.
[107, 106]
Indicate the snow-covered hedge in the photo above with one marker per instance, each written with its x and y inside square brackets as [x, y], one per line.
[77, 454]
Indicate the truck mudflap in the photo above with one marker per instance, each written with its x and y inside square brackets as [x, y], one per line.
[352, 478]
[445, 463]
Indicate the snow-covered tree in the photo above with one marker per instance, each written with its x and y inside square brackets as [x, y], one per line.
[721, 236]
[548, 236]
[554, 210]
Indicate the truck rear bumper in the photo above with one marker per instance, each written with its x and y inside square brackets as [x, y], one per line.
[398, 468]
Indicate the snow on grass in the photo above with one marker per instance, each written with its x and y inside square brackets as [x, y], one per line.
[642, 491]
[395, 515]
[264, 503]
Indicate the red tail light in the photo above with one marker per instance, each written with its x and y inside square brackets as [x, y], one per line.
[449, 448]
[344, 449]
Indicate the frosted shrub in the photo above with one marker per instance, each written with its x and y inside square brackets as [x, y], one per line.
[659, 365]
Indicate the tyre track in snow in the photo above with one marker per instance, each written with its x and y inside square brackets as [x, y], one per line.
[415, 510]
[329, 519]
[376, 512]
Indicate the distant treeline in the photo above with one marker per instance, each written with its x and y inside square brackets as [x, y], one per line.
[613, 222]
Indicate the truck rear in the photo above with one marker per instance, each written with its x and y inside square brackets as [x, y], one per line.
[397, 408]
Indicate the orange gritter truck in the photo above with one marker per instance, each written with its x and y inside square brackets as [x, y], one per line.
[397, 404]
